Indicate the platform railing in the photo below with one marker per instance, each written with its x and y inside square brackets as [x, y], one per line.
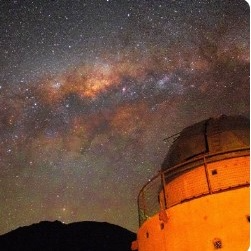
[165, 189]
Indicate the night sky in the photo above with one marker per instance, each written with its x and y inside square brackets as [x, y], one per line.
[89, 90]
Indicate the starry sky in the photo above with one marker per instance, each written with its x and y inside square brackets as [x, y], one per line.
[89, 90]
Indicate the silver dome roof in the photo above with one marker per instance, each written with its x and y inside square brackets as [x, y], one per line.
[213, 135]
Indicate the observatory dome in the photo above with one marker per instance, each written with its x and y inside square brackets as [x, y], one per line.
[222, 134]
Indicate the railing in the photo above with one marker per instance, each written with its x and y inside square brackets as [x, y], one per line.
[192, 179]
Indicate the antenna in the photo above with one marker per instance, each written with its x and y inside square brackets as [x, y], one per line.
[173, 137]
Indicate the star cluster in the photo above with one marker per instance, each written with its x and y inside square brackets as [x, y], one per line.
[89, 90]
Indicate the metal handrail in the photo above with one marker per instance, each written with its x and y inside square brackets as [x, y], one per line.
[165, 176]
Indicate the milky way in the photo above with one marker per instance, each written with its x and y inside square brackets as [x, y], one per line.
[89, 90]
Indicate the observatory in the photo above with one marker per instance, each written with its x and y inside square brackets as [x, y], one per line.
[200, 198]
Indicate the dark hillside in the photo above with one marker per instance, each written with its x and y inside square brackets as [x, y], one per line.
[86, 236]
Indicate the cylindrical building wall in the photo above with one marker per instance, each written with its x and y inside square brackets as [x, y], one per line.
[217, 221]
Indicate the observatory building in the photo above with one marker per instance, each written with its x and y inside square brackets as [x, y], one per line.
[200, 198]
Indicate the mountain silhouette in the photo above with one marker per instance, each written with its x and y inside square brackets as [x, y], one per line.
[56, 236]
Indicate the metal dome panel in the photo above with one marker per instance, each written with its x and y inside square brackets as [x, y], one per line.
[209, 136]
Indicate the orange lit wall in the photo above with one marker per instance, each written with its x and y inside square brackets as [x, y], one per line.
[216, 221]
